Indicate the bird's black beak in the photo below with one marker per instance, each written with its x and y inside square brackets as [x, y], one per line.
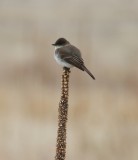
[53, 44]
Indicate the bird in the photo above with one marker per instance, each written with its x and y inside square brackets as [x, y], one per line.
[67, 55]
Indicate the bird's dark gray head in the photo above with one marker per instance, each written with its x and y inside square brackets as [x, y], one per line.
[61, 42]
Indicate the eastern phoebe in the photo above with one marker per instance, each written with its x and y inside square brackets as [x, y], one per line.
[69, 56]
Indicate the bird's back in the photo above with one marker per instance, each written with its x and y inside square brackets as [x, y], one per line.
[71, 50]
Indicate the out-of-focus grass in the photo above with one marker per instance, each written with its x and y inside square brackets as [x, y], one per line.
[102, 123]
[103, 114]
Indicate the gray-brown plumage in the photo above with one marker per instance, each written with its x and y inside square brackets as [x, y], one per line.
[69, 56]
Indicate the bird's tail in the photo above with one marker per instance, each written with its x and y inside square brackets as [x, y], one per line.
[85, 69]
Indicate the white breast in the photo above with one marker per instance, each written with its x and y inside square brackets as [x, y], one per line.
[62, 62]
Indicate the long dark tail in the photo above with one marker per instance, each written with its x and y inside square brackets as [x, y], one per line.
[85, 69]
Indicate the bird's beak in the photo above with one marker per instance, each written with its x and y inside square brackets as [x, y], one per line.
[53, 44]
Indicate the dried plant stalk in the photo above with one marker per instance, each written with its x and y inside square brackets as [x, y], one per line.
[62, 117]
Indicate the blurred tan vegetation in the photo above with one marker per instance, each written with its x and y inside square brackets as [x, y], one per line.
[103, 114]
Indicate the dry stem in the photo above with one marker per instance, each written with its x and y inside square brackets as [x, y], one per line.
[62, 117]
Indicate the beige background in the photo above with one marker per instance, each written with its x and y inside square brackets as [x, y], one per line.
[103, 114]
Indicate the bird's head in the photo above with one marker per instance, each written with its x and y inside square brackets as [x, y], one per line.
[60, 42]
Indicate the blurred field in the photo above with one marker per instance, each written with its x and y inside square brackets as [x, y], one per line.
[103, 114]
[101, 124]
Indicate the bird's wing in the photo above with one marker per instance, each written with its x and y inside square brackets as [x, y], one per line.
[72, 57]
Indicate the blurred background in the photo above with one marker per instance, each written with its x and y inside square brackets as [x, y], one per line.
[103, 114]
